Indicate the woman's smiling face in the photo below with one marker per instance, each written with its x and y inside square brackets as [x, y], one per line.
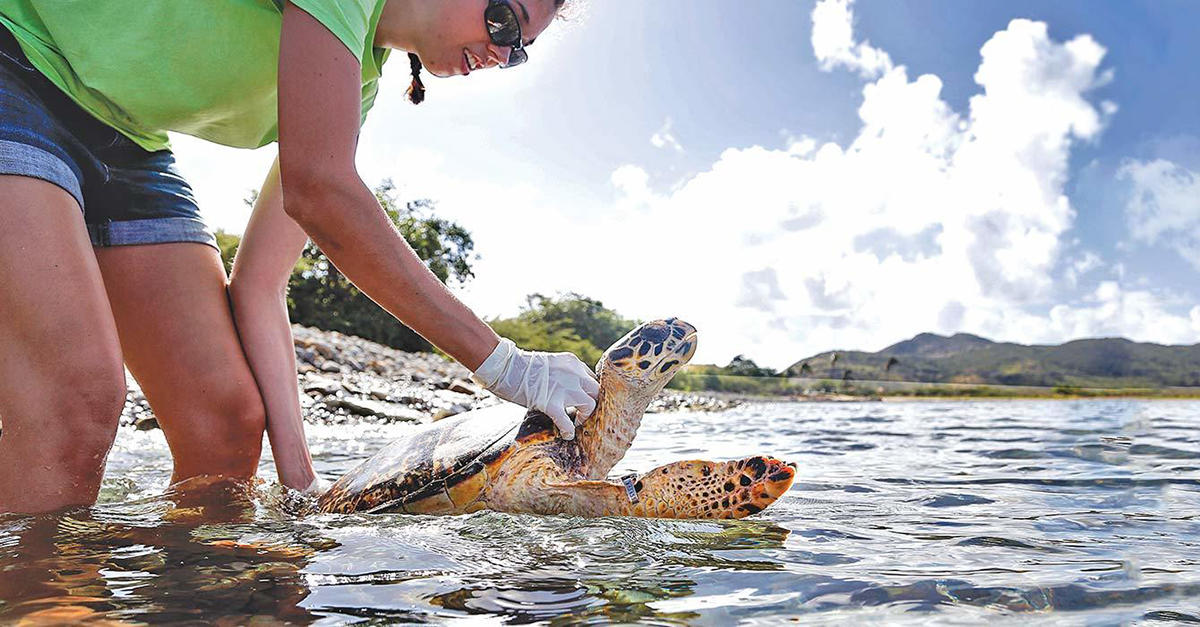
[458, 43]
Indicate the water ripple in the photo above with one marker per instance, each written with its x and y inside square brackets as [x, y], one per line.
[1083, 511]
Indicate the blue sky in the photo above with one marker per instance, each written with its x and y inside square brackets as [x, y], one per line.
[796, 176]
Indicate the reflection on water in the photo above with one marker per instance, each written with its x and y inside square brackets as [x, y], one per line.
[1084, 511]
[174, 558]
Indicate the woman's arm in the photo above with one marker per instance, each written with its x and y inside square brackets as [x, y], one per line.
[270, 247]
[319, 114]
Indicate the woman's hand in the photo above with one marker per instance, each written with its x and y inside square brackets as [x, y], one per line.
[547, 382]
[268, 251]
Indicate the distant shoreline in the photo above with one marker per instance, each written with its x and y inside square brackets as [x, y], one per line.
[939, 396]
[826, 389]
[1141, 397]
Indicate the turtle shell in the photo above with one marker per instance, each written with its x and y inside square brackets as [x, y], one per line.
[439, 467]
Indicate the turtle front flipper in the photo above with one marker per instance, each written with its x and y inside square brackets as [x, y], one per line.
[688, 489]
[632, 372]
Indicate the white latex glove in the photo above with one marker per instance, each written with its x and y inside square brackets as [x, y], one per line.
[547, 382]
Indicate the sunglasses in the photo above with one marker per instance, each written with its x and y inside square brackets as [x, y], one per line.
[505, 30]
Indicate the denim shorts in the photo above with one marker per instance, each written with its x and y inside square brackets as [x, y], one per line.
[128, 195]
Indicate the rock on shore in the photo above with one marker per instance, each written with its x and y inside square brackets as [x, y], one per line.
[344, 378]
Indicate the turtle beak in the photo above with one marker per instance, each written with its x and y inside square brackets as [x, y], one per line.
[679, 328]
[687, 347]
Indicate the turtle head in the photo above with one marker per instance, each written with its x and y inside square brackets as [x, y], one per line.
[648, 356]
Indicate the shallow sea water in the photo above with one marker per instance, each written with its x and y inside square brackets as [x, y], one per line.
[1058, 512]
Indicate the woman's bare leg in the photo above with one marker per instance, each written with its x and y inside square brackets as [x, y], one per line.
[61, 381]
[180, 343]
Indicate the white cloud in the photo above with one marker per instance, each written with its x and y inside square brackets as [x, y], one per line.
[663, 138]
[833, 41]
[1088, 262]
[633, 183]
[1164, 206]
[928, 219]
[1081, 266]
[760, 290]
[1112, 311]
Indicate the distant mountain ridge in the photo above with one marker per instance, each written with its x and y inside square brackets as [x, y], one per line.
[934, 345]
[966, 358]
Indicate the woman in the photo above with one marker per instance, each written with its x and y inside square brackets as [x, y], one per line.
[103, 257]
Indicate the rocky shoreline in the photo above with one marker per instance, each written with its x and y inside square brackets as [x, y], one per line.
[344, 378]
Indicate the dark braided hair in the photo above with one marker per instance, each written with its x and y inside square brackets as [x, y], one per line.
[416, 89]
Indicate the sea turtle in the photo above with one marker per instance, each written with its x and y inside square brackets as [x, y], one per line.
[507, 459]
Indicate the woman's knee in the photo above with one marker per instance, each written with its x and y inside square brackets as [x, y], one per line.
[74, 411]
[245, 413]
[226, 435]
[233, 413]
[100, 392]
[217, 430]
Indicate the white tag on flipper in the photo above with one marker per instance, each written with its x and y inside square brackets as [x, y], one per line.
[630, 482]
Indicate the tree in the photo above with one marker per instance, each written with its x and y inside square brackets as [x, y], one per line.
[533, 336]
[586, 317]
[567, 322]
[321, 296]
[227, 243]
[745, 367]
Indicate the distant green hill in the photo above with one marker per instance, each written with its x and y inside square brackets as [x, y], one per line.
[965, 358]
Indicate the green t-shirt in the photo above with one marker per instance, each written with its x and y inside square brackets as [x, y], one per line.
[207, 68]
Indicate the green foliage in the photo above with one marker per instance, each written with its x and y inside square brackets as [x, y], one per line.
[977, 391]
[741, 376]
[1067, 391]
[585, 317]
[445, 246]
[567, 322]
[534, 336]
[744, 367]
[228, 244]
[711, 379]
[321, 296]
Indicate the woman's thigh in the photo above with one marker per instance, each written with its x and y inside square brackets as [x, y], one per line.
[61, 381]
[180, 343]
